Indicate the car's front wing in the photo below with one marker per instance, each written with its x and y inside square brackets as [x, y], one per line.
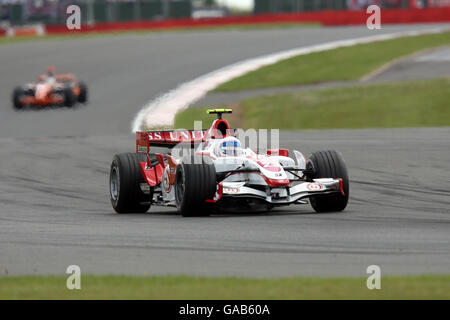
[282, 195]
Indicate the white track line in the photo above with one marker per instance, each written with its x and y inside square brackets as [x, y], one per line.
[161, 111]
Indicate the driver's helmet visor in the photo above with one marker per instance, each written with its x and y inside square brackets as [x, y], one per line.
[231, 148]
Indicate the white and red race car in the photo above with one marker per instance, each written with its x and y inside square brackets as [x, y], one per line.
[217, 174]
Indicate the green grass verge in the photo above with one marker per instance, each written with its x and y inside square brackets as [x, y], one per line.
[348, 63]
[184, 287]
[420, 103]
[230, 27]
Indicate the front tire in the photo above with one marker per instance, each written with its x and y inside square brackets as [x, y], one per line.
[330, 164]
[17, 94]
[125, 181]
[195, 182]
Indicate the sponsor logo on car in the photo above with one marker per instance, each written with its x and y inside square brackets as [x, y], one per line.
[231, 190]
[314, 186]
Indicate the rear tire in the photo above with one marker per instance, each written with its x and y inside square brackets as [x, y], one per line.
[83, 97]
[330, 164]
[195, 182]
[125, 180]
[69, 97]
[17, 94]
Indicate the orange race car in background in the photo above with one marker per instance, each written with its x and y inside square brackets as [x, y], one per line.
[51, 90]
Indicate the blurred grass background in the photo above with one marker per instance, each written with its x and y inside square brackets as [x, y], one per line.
[349, 63]
[417, 103]
[185, 287]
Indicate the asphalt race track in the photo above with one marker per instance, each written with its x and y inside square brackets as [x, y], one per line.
[54, 166]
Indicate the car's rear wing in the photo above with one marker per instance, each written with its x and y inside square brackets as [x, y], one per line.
[170, 138]
[167, 138]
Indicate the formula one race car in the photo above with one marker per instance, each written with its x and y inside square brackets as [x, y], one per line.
[220, 175]
[51, 90]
